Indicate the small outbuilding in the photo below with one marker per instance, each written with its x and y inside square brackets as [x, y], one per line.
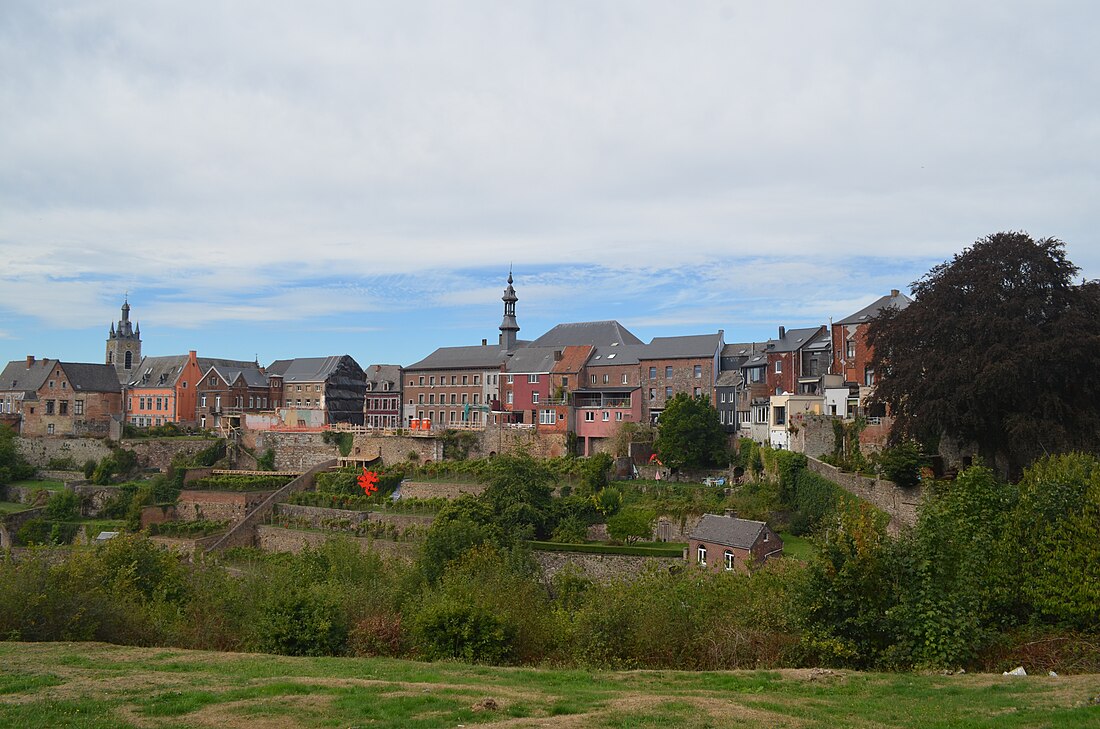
[729, 543]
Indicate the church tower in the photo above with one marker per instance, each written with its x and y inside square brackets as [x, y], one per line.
[509, 327]
[124, 345]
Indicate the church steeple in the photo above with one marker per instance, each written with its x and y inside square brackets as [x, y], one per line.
[508, 326]
[124, 344]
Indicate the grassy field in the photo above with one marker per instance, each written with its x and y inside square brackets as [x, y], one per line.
[96, 686]
[798, 547]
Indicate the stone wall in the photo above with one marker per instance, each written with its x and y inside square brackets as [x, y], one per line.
[277, 539]
[157, 514]
[186, 547]
[62, 476]
[10, 524]
[900, 503]
[231, 506]
[159, 452]
[93, 497]
[429, 490]
[812, 434]
[25, 494]
[40, 451]
[317, 516]
[602, 567]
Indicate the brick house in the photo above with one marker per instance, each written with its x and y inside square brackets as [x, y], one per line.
[610, 395]
[672, 365]
[226, 392]
[791, 358]
[526, 390]
[851, 355]
[730, 385]
[166, 389]
[454, 386]
[335, 385]
[727, 543]
[382, 399]
[73, 398]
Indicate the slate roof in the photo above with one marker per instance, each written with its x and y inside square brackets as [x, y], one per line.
[728, 530]
[596, 333]
[690, 346]
[166, 371]
[20, 378]
[252, 375]
[379, 373]
[532, 359]
[85, 377]
[487, 357]
[306, 369]
[628, 354]
[792, 340]
[899, 301]
[729, 378]
[757, 360]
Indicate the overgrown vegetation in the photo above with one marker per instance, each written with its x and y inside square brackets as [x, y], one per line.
[240, 482]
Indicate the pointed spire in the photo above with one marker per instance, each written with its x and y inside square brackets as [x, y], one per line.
[508, 326]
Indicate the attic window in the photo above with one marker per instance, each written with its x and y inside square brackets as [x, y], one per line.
[611, 356]
[597, 356]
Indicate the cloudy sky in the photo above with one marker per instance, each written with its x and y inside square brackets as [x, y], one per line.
[281, 179]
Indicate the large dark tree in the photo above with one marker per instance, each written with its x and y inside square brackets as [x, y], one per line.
[689, 434]
[998, 349]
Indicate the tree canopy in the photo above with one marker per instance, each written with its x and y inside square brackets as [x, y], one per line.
[689, 434]
[996, 350]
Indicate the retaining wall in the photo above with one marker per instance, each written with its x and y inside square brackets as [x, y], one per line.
[318, 516]
[900, 503]
[602, 567]
[228, 506]
[10, 524]
[429, 490]
[277, 539]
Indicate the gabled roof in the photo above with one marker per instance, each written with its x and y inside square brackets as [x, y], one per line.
[741, 349]
[166, 371]
[17, 376]
[85, 377]
[251, 375]
[596, 333]
[627, 354]
[379, 373]
[895, 299]
[729, 378]
[690, 346]
[533, 359]
[793, 340]
[483, 357]
[306, 369]
[573, 358]
[757, 360]
[728, 530]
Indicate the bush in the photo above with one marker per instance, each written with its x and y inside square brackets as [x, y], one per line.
[266, 461]
[901, 464]
[63, 506]
[380, 634]
[631, 525]
[300, 620]
[89, 468]
[240, 482]
[456, 630]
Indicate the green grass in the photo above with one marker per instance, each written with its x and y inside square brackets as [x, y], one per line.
[9, 507]
[48, 485]
[798, 547]
[96, 685]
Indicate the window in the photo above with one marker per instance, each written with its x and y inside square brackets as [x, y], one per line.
[534, 398]
[606, 416]
[702, 556]
[465, 379]
[509, 398]
[185, 384]
[78, 407]
[218, 401]
[652, 394]
[697, 371]
[778, 366]
[420, 399]
[564, 381]
[431, 398]
[63, 407]
[779, 415]
[532, 378]
[626, 379]
[619, 415]
[454, 380]
[547, 417]
[160, 403]
[51, 384]
[431, 380]
[454, 398]
[202, 400]
[510, 379]
[593, 379]
[465, 398]
[653, 373]
[420, 381]
[316, 388]
[606, 378]
[49, 407]
[851, 349]
[477, 398]
[49, 428]
[668, 370]
[756, 374]
[64, 385]
[668, 392]
[869, 377]
[589, 416]
[697, 392]
[729, 560]
[721, 396]
[477, 379]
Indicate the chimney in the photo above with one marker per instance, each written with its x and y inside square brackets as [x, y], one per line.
[731, 513]
[782, 332]
[557, 355]
[30, 360]
[484, 342]
[894, 293]
[378, 368]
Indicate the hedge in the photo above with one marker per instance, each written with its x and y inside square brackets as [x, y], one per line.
[242, 482]
[608, 549]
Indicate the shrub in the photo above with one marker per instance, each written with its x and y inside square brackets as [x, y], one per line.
[901, 463]
[89, 468]
[298, 620]
[452, 629]
[380, 634]
[63, 506]
[266, 461]
[631, 525]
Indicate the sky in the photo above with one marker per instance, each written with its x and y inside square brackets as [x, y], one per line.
[270, 179]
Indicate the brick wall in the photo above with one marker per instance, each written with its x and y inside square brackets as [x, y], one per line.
[40, 451]
[228, 506]
[683, 379]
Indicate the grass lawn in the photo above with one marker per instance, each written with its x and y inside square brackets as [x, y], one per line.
[8, 507]
[798, 547]
[48, 485]
[94, 686]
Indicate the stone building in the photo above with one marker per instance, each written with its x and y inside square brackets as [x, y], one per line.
[123, 350]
